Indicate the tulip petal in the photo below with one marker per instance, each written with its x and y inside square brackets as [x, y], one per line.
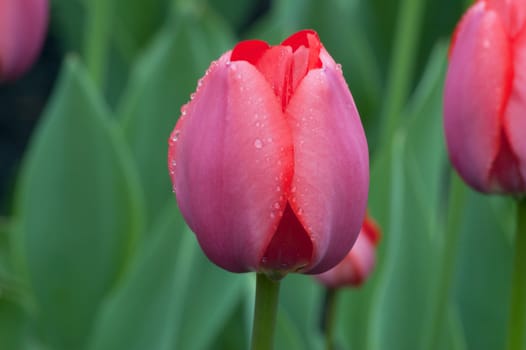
[331, 174]
[515, 118]
[233, 163]
[23, 26]
[511, 12]
[477, 83]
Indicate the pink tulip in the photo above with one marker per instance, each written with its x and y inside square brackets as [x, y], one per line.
[23, 25]
[269, 159]
[358, 263]
[485, 97]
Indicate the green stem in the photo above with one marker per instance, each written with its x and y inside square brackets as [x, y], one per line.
[517, 321]
[329, 317]
[265, 311]
[97, 38]
[402, 64]
[457, 194]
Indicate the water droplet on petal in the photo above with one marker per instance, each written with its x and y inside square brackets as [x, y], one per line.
[276, 205]
[272, 215]
[175, 135]
[258, 143]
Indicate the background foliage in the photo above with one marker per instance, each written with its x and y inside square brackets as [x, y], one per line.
[94, 254]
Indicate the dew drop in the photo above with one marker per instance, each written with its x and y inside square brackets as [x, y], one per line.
[338, 66]
[278, 189]
[293, 189]
[258, 143]
[272, 215]
[276, 205]
[269, 140]
[175, 136]
[258, 124]
[192, 96]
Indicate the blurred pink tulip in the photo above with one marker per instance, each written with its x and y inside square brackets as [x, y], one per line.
[269, 160]
[23, 25]
[485, 97]
[359, 263]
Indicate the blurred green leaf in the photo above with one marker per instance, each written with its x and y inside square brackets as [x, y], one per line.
[288, 335]
[136, 24]
[78, 208]
[483, 279]
[13, 326]
[173, 297]
[234, 335]
[161, 83]
[301, 299]
[236, 12]
[408, 260]
[67, 23]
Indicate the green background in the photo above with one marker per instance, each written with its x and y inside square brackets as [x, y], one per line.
[93, 251]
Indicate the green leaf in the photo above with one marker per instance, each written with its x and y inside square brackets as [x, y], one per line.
[236, 12]
[161, 83]
[301, 300]
[482, 289]
[13, 325]
[78, 210]
[288, 336]
[408, 259]
[173, 297]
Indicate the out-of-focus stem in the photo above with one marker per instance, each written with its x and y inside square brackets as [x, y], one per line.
[401, 69]
[329, 317]
[97, 38]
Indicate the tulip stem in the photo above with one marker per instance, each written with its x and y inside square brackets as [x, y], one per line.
[265, 311]
[97, 38]
[329, 317]
[517, 320]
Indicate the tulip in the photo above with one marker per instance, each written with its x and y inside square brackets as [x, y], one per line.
[485, 97]
[269, 160]
[23, 26]
[358, 264]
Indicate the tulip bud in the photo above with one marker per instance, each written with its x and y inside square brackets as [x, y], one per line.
[485, 97]
[358, 263]
[269, 160]
[23, 26]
